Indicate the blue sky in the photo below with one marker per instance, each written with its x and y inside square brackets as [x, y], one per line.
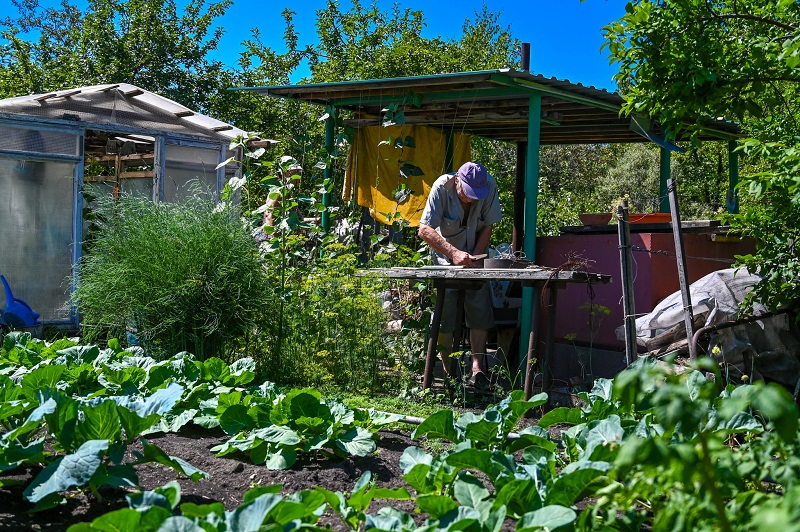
[565, 35]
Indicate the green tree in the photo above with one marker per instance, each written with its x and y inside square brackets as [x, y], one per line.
[570, 178]
[368, 43]
[148, 43]
[688, 62]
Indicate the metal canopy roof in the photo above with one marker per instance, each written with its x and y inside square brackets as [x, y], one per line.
[492, 104]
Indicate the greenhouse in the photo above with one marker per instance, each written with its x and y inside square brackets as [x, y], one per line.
[61, 149]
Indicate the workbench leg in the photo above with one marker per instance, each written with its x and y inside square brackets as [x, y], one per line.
[531, 358]
[436, 321]
[549, 339]
[458, 334]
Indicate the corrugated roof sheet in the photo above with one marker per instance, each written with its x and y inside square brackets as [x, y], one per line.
[490, 103]
[120, 104]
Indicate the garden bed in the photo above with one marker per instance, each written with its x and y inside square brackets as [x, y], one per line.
[228, 480]
[629, 455]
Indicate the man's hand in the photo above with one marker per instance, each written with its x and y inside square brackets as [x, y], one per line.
[462, 258]
[457, 257]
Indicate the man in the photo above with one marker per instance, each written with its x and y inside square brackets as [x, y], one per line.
[457, 224]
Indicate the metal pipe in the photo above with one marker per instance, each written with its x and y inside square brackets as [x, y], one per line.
[733, 178]
[518, 233]
[330, 131]
[693, 352]
[412, 420]
[530, 210]
[626, 269]
[525, 56]
[680, 256]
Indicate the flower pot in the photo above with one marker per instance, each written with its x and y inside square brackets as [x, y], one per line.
[650, 218]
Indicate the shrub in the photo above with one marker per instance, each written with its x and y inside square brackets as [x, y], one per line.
[184, 277]
[327, 326]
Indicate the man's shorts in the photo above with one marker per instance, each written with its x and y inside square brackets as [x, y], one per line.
[478, 312]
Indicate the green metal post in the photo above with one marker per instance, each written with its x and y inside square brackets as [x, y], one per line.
[531, 208]
[733, 169]
[664, 173]
[330, 126]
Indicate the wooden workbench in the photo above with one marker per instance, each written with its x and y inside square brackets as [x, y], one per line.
[540, 278]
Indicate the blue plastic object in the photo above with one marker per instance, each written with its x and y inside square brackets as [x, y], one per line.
[17, 312]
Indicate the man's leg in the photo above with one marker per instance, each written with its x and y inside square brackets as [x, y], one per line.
[445, 341]
[477, 342]
[480, 318]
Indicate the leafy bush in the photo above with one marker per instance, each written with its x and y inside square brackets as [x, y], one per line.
[328, 325]
[185, 277]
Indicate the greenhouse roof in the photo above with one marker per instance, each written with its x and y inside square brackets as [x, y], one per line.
[119, 104]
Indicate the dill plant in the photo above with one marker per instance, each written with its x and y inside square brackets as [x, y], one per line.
[183, 276]
[332, 330]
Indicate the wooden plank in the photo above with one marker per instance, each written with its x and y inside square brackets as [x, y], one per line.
[123, 175]
[532, 273]
[133, 175]
[70, 93]
[262, 143]
[98, 178]
[44, 97]
[132, 157]
[339, 90]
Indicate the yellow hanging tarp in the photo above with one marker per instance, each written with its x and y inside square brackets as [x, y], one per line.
[374, 168]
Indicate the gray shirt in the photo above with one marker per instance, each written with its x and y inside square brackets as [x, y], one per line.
[443, 212]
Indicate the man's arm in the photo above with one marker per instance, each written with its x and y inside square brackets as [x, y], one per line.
[437, 242]
[482, 242]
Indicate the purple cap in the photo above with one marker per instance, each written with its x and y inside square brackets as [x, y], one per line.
[474, 180]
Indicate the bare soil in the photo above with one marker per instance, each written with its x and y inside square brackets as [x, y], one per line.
[229, 478]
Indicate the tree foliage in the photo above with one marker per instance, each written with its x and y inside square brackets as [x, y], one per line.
[368, 43]
[688, 62]
[148, 43]
[691, 61]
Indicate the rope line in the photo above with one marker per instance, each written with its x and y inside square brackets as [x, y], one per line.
[675, 256]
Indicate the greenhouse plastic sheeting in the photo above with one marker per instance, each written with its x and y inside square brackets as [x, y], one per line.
[36, 213]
